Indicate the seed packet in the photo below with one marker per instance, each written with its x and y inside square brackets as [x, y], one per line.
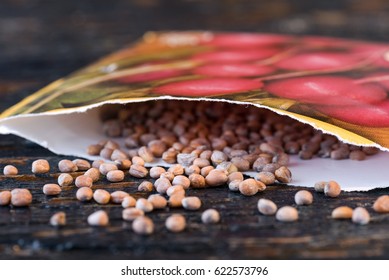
[338, 86]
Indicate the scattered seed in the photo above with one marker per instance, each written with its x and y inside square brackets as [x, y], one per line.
[167, 175]
[319, 186]
[283, 175]
[181, 180]
[65, 179]
[191, 203]
[381, 205]
[176, 189]
[138, 171]
[248, 187]
[235, 176]
[342, 212]
[144, 205]
[210, 216]
[158, 201]
[131, 213]
[128, 202]
[40, 166]
[83, 181]
[197, 181]
[193, 169]
[143, 225]
[67, 166]
[118, 196]
[58, 219]
[287, 214]
[176, 169]
[51, 189]
[205, 170]
[234, 185]
[5, 198]
[82, 164]
[10, 170]
[115, 176]
[332, 189]
[161, 185]
[123, 164]
[303, 197]
[175, 200]
[216, 178]
[106, 167]
[99, 218]
[357, 155]
[21, 197]
[138, 160]
[175, 223]
[94, 173]
[145, 186]
[360, 216]
[96, 163]
[266, 207]
[84, 194]
[156, 171]
[101, 196]
[267, 178]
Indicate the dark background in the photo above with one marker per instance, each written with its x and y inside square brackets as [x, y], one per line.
[42, 40]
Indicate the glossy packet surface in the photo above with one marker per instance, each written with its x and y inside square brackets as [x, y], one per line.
[336, 85]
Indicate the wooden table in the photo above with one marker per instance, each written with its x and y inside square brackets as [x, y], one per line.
[42, 40]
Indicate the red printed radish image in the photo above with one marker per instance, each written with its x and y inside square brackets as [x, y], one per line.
[207, 87]
[234, 56]
[247, 40]
[234, 70]
[326, 90]
[151, 76]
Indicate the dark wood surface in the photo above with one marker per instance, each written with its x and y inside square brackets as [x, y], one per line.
[41, 41]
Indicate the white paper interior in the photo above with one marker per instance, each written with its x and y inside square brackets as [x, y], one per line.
[70, 134]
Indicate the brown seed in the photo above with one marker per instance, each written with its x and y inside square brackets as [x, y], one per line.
[84, 194]
[156, 171]
[267, 178]
[67, 166]
[381, 205]
[205, 170]
[181, 180]
[357, 155]
[106, 153]
[227, 166]
[145, 154]
[176, 169]
[249, 187]
[10, 170]
[58, 219]
[84, 181]
[241, 163]
[123, 164]
[138, 160]
[170, 156]
[21, 197]
[175, 223]
[266, 207]
[303, 197]
[94, 150]
[51, 189]
[143, 225]
[370, 150]
[144, 205]
[93, 173]
[201, 162]
[283, 175]
[106, 167]
[65, 179]
[158, 201]
[5, 198]
[216, 178]
[176, 189]
[115, 176]
[234, 185]
[99, 218]
[131, 213]
[145, 186]
[287, 214]
[260, 163]
[157, 147]
[332, 189]
[138, 171]
[191, 203]
[96, 163]
[175, 200]
[342, 212]
[167, 175]
[101, 196]
[319, 186]
[40, 166]
[197, 181]
[118, 196]
[161, 185]
[192, 169]
[218, 157]
[210, 216]
[360, 216]
[82, 164]
[118, 154]
[128, 201]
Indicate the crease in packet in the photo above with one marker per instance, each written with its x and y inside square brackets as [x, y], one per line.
[338, 86]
